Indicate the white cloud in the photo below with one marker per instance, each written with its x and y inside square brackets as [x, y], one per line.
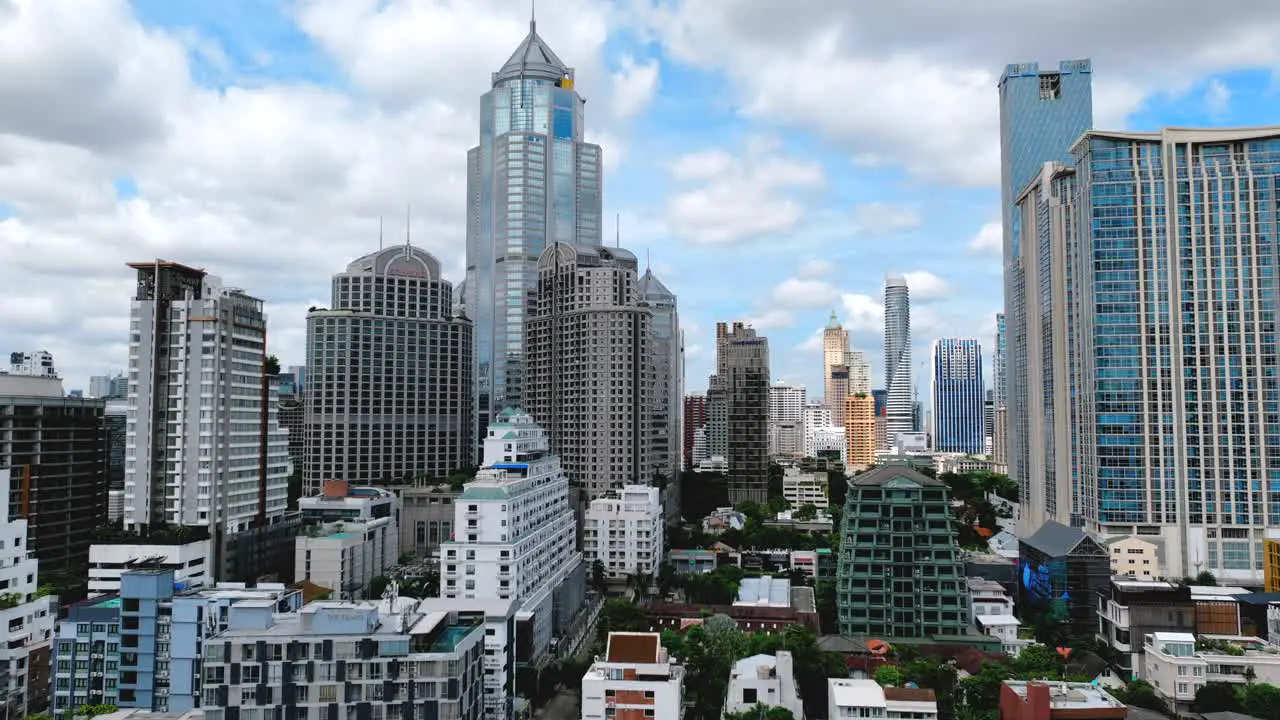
[775, 318]
[634, 86]
[926, 286]
[740, 197]
[862, 313]
[879, 218]
[810, 269]
[1217, 98]
[811, 344]
[989, 241]
[805, 293]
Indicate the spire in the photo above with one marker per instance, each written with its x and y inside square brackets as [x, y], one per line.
[834, 322]
[408, 224]
[533, 17]
[379, 232]
[533, 60]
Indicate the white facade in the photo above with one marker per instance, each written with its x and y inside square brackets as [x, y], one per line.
[635, 674]
[192, 563]
[800, 488]
[32, 364]
[900, 404]
[817, 415]
[1178, 665]
[625, 533]
[786, 419]
[345, 556]
[193, 434]
[29, 617]
[699, 454]
[859, 372]
[825, 439]
[763, 680]
[862, 699]
[514, 531]
[992, 614]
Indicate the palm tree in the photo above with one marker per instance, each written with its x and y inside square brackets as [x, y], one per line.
[640, 583]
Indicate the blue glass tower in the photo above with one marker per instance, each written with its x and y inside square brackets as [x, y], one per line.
[531, 182]
[1041, 114]
[959, 396]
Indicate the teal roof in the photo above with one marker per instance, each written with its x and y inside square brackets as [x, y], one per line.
[834, 322]
[471, 492]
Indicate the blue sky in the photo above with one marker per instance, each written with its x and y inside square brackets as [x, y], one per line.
[773, 163]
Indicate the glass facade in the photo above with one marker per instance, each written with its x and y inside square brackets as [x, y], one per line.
[959, 398]
[531, 182]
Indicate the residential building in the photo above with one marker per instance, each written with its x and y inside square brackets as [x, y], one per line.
[27, 612]
[204, 444]
[1134, 557]
[816, 414]
[1129, 610]
[389, 374]
[693, 419]
[849, 699]
[721, 519]
[999, 373]
[666, 348]
[698, 454]
[1179, 664]
[388, 655]
[801, 488]
[624, 533]
[1000, 440]
[959, 398]
[635, 679]
[139, 648]
[115, 420]
[587, 310]
[900, 574]
[839, 383]
[826, 441]
[531, 182]
[190, 560]
[514, 534]
[764, 681]
[746, 387]
[109, 387]
[693, 561]
[786, 420]
[988, 419]
[426, 518]
[1041, 114]
[1063, 571]
[292, 412]
[899, 408]
[57, 449]
[993, 614]
[717, 428]
[350, 536]
[1055, 700]
[835, 371]
[859, 431]
[859, 372]
[32, 364]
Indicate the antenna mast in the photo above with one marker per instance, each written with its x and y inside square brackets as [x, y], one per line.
[617, 230]
[408, 224]
[379, 232]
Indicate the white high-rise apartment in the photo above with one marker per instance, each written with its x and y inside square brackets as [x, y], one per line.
[32, 364]
[624, 533]
[198, 406]
[588, 315]
[388, 380]
[859, 372]
[514, 531]
[786, 419]
[29, 616]
[817, 414]
[900, 405]
[634, 679]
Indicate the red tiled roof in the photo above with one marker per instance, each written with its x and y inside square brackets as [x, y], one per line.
[627, 647]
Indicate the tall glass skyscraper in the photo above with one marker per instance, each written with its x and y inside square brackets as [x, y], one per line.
[1041, 114]
[531, 182]
[958, 396]
[1001, 361]
[900, 406]
[1159, 373]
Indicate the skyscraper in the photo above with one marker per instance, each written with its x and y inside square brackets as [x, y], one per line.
[1156, 406]
[998, 371]
[587, 315]
[746, 392]
[1041, 115]
[859, 372]
[786, 419]
[693, 418]
[959, 401]
[388, 375]
[531, 182]
[668, 364]
[900, 406]
[835, 351]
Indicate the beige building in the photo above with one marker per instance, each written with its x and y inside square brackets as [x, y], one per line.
[835, 353]
[801, 488]
[1131, 556]
[860, 431]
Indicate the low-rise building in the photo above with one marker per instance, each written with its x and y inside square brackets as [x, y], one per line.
[624, 532]
[1132, 609]
[27, 613]
[1134, 557]
[339, 660]
[1178, 664]
[191, 563]
[801, 488]
[692, 561]
[764, 592]
[635, 679]
[426, 518]
[993, 614]
[849, 699]
[722, 519]
[763, 681]
[1050, 700]
[345, 557]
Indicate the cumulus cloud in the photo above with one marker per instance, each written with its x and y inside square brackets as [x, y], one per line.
[738, 197]
[926, 286]
[879, 218]
[1217, 98]
[799, 292]
[810, 269]
[989, 241]
[772, 319]
[634, 85]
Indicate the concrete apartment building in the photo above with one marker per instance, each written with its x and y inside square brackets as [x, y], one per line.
[860, 431]
[745, 384]
[24, 659]
[763, 681]
[802, 488]
[859, 699]
[426, 518]
[666, 346]
[786, 420]
[625, 533]
[588, 314]
[349, 537]
[694, 419]
[389, 375]
[635, 680]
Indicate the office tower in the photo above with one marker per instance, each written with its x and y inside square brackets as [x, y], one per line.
[389, 372]
[204, 445]
[624, 533]
[693, 419]
[32, 364]
[859, 372]
[786, 419]
[115, 422]
[959, 399]
[998, 372]
[860, 431]
[531, 182]
[587, 314]
[292, 411]
[881, 398]
[835, 353]
[838, 386]
[57, 449]
[746, 388]
[1041, 115]
[667, 350]
[918, 590]
[717, 427]
[1186, 457]
[108, 386]
[989, 416]
[26, 611]
[897, 358]
[514, 533]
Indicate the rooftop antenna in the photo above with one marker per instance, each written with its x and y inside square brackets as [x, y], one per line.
[379, 232]
[617, 230]
[408, 224]
[646, 260]
[533, 15]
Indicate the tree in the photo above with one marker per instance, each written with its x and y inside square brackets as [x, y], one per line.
[1204, 578]
[1037, 662]
[597, 576]
[1261, 700]
[837, 488]
[808, 511]
[376, 587]
[88, 711]
[889, 676]
[271, 366]
[981, 692]
[1215, 697]
[1139, 693]
[621, 616]
[762, 712]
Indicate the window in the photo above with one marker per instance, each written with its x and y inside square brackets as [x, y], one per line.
[748, 695]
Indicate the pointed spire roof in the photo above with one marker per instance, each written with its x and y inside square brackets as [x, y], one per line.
[651, 286]
[533, 59]
[834, 322]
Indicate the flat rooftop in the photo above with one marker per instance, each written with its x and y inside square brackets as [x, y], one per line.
[764, 592]
[1070, 695]
[632, 647]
